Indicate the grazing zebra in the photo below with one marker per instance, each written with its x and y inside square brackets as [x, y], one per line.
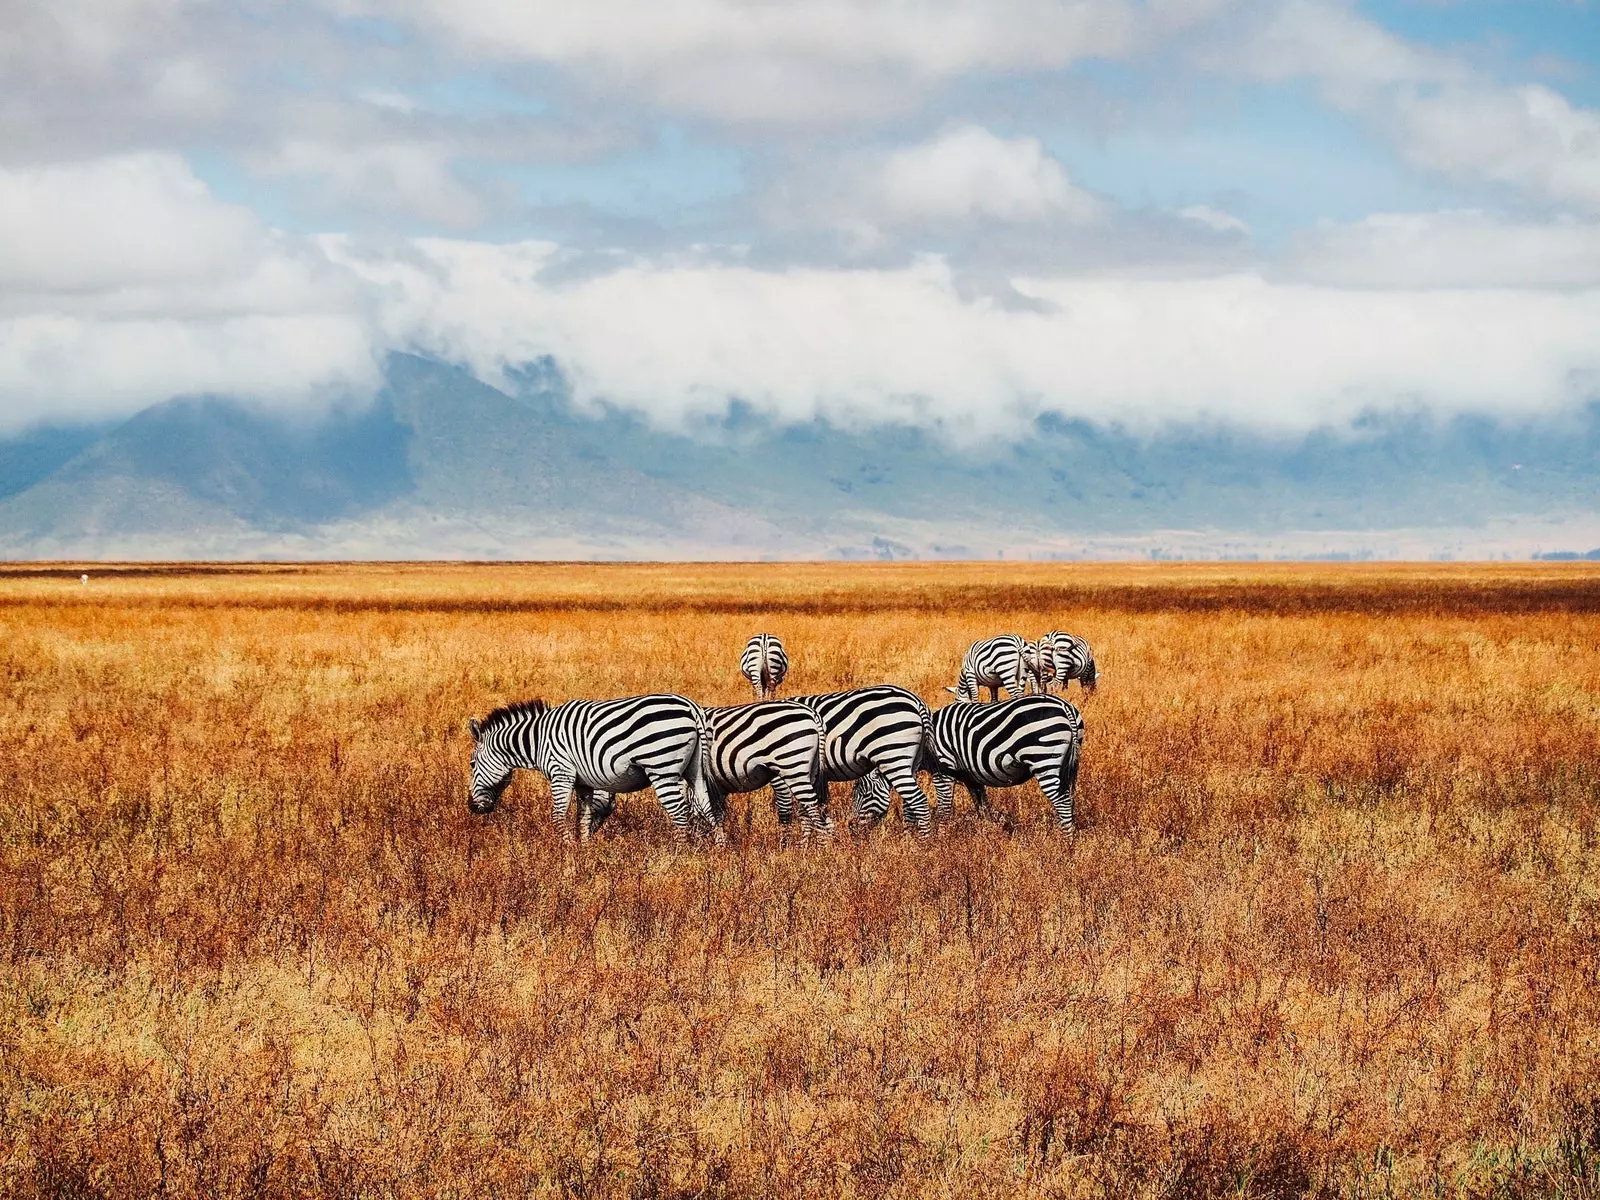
[764, 664]
[773, 742]
[1064, 657]
[879, 728]
[594, 749]
[1002, 745]
[1006, 661]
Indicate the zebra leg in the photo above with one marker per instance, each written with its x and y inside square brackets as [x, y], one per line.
[1058, 780]
[944, 788]
[902, 778]
[562, 784]
[803, 794]
[674, 799]
[677, 798]
[980, 797]
[601, 805]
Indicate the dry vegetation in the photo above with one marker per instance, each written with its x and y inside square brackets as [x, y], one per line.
[1329, 926]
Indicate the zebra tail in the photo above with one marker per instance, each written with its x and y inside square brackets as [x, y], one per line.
[699, 773]
[1069, 767]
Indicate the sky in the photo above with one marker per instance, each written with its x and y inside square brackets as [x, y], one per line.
[1280, 214]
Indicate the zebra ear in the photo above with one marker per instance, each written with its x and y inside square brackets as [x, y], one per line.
[953, 691]
[475, 726]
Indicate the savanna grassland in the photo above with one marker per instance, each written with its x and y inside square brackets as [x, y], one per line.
[1330, 925]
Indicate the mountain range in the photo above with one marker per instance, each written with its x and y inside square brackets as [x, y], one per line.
[440, 464]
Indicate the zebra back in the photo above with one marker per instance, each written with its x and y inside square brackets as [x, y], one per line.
[1064, 657]
[1007, 660]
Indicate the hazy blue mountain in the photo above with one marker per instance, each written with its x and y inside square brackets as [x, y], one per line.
[34, 454]
[441, 464]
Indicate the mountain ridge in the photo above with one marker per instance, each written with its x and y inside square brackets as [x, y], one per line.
[441, 464]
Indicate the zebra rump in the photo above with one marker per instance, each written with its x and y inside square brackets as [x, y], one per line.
[1003, 745]
[1007, 661]
[881, 728]
[593, 749]
[764, 664]
[776, 742]
[1064, 657]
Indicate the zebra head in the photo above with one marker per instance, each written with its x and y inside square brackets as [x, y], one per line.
[495, 754]
[871, 798]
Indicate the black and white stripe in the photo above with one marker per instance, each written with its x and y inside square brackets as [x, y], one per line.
[775, 742]
[1002, 745]
[1007, 661]
[764, 664]
[1064, 657]
[594, 749]
[879, 728]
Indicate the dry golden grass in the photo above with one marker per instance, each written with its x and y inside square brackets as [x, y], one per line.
[1329, 926]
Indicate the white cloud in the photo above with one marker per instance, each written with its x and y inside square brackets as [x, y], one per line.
[1440, 112]
[1530, 137]
[866, 346]
[969, 173]
[125, 282]
[1213, 218]
[792, 60]
[1447, 250]
[412, 177]
[958, 184]
[137, 218]
[1327, 41]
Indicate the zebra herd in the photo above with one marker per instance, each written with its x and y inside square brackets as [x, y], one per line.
[878, 738]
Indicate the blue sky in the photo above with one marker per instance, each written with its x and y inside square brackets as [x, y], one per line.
[1281, 212]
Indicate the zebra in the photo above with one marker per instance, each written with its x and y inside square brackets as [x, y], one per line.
[764, 664]
[1064, 657]
[1006, 661]
[1002, 745]
[775, 742]
[594, 749]
[875, 729]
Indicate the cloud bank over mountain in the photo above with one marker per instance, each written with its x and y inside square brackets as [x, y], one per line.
[1270, 216]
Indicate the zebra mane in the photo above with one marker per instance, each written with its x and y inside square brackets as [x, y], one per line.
[509, 712]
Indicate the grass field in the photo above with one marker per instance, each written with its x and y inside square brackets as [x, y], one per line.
[1329, 924]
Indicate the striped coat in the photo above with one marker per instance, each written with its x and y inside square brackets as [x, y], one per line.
[1003, 745]
[881, 728]
[764, 663]
[1007, 661]
[592, 749]
[1064, 657]
[772, 742]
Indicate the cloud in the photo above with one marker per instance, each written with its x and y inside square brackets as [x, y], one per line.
[1213, 219]
[965, 192]
[1446, 250]
[129, 219]
[877, 345]
[968, 173]
[125, 282]
[1529, 137]
[1441, 113]
[412, 177]
[791, 60]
